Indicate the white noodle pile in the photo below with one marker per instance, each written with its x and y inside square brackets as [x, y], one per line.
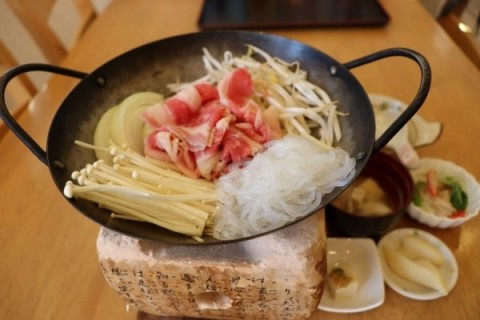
[285, 182]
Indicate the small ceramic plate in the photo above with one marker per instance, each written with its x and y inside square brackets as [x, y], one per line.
[449, 271]
[360, 254]
[419, 131]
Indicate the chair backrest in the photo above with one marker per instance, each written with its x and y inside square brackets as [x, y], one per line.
[38, 31]
[68, 19]
[21, 89]
[55, 25]
[17, 46]
[100, 5]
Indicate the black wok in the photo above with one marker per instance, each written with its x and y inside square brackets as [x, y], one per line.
[152, 66]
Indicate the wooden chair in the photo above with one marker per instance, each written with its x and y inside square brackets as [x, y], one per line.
[19, 91]
[8, 61]
[55, 25]
[34, 19]
[466, 40]
[40, 31]
[100, 5]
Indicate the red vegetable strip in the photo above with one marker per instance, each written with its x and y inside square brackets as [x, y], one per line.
[458, 214]
[432, 183]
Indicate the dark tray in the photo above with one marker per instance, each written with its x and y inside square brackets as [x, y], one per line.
[256, 14]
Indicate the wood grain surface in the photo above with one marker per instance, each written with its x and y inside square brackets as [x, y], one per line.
[49, 267]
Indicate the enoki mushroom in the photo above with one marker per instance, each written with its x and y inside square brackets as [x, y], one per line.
[138, 188]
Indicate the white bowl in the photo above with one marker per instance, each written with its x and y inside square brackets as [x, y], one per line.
[446, 169]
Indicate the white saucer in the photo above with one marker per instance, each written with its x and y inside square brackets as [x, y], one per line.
[449, 271]
[362, 257]
[387, 109]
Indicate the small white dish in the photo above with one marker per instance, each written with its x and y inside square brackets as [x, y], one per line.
[419, 131]
[449, 271]
[386, 112]
[361, 256]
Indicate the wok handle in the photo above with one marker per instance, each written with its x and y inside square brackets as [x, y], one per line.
[6, 116]
[421, 95]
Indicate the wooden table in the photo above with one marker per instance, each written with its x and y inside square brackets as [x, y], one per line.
[49, 267]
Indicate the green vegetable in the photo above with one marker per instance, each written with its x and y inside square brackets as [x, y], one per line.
[417, 194]
[458, 197]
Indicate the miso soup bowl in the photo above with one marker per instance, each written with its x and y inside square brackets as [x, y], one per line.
[395, 179]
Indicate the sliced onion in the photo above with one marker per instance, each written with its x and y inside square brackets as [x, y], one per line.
[101, 137]
[127, 125]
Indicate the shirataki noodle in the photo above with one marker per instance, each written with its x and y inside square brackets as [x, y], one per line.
[279, 185]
